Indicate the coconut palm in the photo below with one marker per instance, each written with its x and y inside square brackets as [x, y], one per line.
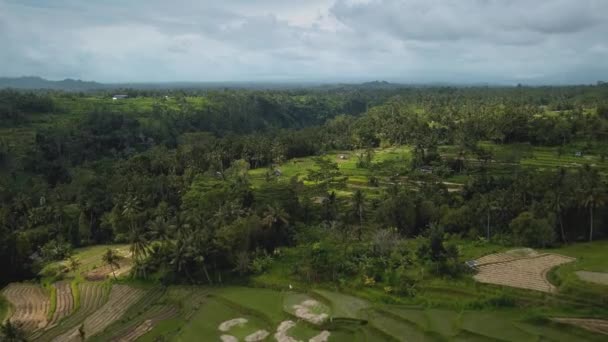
[359, 210]
[112, 259]
[139, 243]
[591, 193]
[160, 229]
[73, 263]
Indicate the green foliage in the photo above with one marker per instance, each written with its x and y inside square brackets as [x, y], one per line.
[532, 232]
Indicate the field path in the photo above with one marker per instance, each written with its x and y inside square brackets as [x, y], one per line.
[526, 272]
[31, 305]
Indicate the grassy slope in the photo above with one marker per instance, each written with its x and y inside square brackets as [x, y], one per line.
[589, 257]
[91, 257]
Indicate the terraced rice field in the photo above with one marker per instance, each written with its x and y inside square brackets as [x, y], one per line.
[65, 303]
[30, 303]
[593, 277]
[155, 316]
[595, 325]
[121, 298]
[92, 296]
[525, 272]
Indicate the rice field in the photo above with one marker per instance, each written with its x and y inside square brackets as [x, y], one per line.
[30, 305]
[526, 272]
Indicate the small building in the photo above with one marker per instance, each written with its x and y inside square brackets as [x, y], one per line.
[277, 172]
[119, 97]
[578, 154]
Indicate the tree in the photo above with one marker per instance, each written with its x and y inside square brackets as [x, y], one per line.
[112, 259]
[12, 332]
[591, 193]
[530, 231]
[160, 229]
[359, 210]
[73, 263]
[557, 199]
[275, 219]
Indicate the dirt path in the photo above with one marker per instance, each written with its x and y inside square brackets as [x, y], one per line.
[526, 271]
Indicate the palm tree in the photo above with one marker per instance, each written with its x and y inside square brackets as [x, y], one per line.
[557, 199]
[111, 259]
[73, 263]
[591, 193]
[139, 243]
[487, 204]
[159, 229]
[556, 202]
[274, 216]
[359, 209]
[11, 332]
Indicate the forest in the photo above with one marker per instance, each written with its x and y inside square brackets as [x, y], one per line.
[167, 172]
[377, 189]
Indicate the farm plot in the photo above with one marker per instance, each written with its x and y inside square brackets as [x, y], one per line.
[156, 315]
[593, 277]
[121, 297]
[594, 325]
[31, 305]
[65, 303]
[91, 297]
[525, 272]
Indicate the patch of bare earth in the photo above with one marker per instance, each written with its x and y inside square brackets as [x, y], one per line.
[31, 305]
[65, 303]
[523, 268]
[596, 325]
[593, 277]
[103, 272]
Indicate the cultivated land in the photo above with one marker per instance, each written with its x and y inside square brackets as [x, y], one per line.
[449, 310]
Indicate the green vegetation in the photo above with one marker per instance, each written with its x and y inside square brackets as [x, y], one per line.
[244, 203]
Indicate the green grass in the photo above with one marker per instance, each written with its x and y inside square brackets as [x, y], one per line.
[206, 321]
[89, 258]
[589, 257]
[343, 305]
[265, 301]
[53, 301]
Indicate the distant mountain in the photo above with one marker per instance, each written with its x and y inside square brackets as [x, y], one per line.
[34, 82]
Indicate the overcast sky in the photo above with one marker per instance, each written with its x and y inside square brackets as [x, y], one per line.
[414, 41]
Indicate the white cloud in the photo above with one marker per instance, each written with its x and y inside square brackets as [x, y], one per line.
[241, 40]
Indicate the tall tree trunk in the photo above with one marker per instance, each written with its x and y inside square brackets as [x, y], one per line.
[591, 222]
[488, 225]
[561, 227]
[113, 272]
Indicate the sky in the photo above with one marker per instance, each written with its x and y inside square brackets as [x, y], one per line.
[407, 41]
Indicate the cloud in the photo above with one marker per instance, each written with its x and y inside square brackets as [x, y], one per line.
[329, 40]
